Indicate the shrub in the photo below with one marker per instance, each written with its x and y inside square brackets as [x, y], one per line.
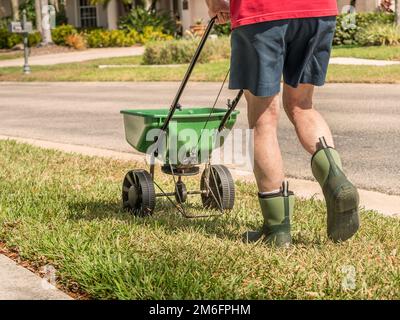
[119, 38]
[34, 39]
[139, 18]
[379, 34]
[345, 34]
[99, 38]
[59, 34]
[220, 48]
[76, 41]
[13, 39]
[182, 51]
[223, 29]
[4, 23]
[29, 6]
[153, 34]
[3, 38]
[9, 40]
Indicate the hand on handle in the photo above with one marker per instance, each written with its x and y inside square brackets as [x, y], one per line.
[219, 9]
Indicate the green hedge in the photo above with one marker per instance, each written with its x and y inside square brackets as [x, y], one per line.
[59, 34]
[110, 38]
[346, 35]
[99, 38]
[182, 51]
[94, 38]
[379, 34]
[9, 40]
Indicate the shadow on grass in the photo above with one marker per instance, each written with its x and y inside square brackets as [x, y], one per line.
[165, 216]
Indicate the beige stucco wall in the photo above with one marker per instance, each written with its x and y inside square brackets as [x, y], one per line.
[71, 12]
[102, 16]
[197, 10]
[5, 8]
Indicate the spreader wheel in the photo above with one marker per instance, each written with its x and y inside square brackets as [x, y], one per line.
[180, 192]
[220, 189]
[138, 194]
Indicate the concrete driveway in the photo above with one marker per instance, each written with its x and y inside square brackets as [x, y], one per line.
[365, 120]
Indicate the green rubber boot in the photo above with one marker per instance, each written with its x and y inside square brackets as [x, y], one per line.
[277, 210]
[341, 196]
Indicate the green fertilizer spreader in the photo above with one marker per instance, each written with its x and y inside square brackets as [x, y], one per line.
[183, 139]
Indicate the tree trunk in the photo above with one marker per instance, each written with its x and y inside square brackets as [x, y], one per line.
[38, 12]
[46, 31]
[15, 10]
[397, 11]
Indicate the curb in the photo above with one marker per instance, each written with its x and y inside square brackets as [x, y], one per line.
[18, 283]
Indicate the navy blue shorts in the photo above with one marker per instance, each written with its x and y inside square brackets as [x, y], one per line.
[298, 49]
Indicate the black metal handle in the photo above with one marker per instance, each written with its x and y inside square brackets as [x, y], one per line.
[185, 80]
[232, 107]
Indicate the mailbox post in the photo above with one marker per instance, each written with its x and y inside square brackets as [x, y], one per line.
[27, 69]
[23, 28]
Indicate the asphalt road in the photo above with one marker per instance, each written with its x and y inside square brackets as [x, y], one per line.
[365, 120]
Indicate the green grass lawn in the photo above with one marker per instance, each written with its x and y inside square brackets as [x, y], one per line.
[375, 52]
[64, 209]
[214, 71]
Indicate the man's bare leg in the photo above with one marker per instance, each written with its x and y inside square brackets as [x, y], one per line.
[308, 122]
[276, 203]
[341, 196]
[263, 116]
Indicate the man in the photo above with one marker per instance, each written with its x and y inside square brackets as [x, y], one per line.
[293, 38]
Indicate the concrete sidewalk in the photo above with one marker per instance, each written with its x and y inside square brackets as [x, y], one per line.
[77, 56]
[18, 283]
[362, 62]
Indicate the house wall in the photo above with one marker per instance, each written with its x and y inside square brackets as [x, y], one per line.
[71, 12]
[102, 20]
[197, 10]
[5, 8]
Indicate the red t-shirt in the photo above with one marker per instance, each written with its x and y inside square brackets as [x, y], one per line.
[253, 11]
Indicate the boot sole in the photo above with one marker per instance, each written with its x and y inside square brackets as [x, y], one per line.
[343, 216]
[278, 240]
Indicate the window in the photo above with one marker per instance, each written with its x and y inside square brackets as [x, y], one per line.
[88, 14]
